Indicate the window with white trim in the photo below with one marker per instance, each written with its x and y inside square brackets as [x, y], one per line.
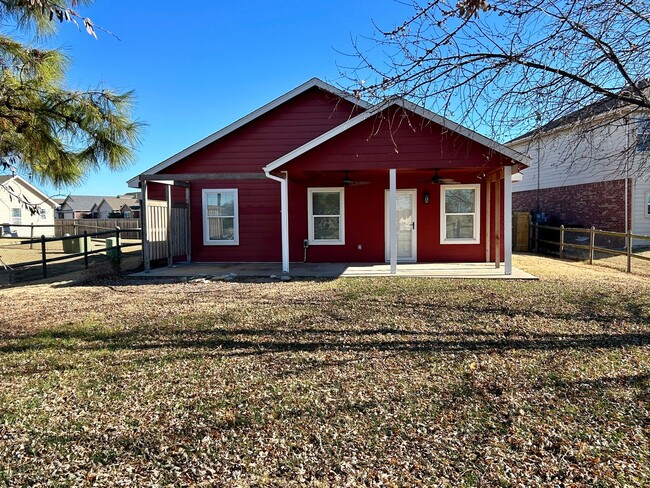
[220, 217]
[643, 134]
[16, 216]
[459, 214]
[42, 213]
[326, 215]
[647, 204]
[127, 214]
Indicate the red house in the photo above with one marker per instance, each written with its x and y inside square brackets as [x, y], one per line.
[320, 176]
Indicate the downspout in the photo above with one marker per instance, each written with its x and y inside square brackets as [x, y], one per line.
[284, 207]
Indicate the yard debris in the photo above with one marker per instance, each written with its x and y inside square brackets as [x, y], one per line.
[348, 382]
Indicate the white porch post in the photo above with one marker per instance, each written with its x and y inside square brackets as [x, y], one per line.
[507, 218]
[284, 204]
[144, 225]
[392, 220]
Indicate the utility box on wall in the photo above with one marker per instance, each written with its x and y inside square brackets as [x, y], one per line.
[521, 226]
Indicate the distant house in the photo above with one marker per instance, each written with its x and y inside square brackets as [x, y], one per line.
[78, 206]
[131, 210]
[589, 168]
[14, 194]
[98, 206]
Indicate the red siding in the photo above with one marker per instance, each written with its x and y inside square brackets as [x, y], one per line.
[365, 221]
[367, 150]
[378, 144]
[270, 136]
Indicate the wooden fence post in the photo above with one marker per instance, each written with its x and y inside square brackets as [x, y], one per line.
[561, 241]
[629, 251]
[86, 249]
[592, 241]
[31, 236]
[44, 256]
[536, 236]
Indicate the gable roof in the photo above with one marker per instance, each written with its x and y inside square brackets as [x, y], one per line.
[599, 107]
[314, 82]
[114, 203]
[81, 203]
[4, 179]
[400, 102]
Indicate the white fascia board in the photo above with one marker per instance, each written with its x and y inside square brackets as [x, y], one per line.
[33, 189]
[314, 82]
[427, 114]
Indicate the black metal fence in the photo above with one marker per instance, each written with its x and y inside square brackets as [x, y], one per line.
[27, 259]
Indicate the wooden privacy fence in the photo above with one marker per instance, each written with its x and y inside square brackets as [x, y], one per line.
[626, 238]
[165, 241]
[130, 227]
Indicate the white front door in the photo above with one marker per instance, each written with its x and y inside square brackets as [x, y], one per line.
[406, 225]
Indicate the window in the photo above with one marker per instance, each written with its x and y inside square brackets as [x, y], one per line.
[42, 213]
[220, 218]
[643, 134]
[127, 214]
[459, 209]
[16, 216]
[647, 204]
[326, 219]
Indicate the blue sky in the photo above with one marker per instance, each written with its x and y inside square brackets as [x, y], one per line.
[200, 67]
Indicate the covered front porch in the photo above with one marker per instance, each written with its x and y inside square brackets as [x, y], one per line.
[336, 270]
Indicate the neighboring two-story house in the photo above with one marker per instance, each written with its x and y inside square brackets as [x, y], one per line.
[589, 168]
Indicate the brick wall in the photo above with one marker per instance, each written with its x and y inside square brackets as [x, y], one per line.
[599, 204]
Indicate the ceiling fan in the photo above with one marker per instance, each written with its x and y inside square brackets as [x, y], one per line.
[437, 180]
[347, 181]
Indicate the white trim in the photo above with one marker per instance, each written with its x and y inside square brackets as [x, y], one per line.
[414, 216]
[427, 114]
[476, 213]
[310, 215]
[392, 221]
[507, 218]
[31, 188]
[314, 82]
[206, 235]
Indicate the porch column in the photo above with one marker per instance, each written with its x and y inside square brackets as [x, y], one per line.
[507, 218]
[170, 251]
[144, 225]
[189, 224]
[284, 204]
[392, 219]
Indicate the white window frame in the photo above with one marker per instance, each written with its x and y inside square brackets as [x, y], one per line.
[637, 132]
[19, 220]
[127, 214]
[204, 211]
[42, 214]
[476, 214]
[310, 210]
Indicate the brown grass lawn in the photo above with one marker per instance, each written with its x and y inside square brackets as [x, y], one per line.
[385, 381]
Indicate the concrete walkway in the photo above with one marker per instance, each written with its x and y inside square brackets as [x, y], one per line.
[335, 270]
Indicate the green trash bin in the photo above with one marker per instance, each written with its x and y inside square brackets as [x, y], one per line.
[72, 246]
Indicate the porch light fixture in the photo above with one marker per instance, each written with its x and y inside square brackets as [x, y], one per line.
[426, 198]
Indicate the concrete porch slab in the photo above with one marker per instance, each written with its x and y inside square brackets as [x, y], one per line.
[335, 270]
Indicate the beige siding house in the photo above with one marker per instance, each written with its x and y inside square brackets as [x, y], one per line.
[585, 173]
[15, 191]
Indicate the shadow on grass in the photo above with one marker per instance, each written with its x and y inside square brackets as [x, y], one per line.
[261, 341]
